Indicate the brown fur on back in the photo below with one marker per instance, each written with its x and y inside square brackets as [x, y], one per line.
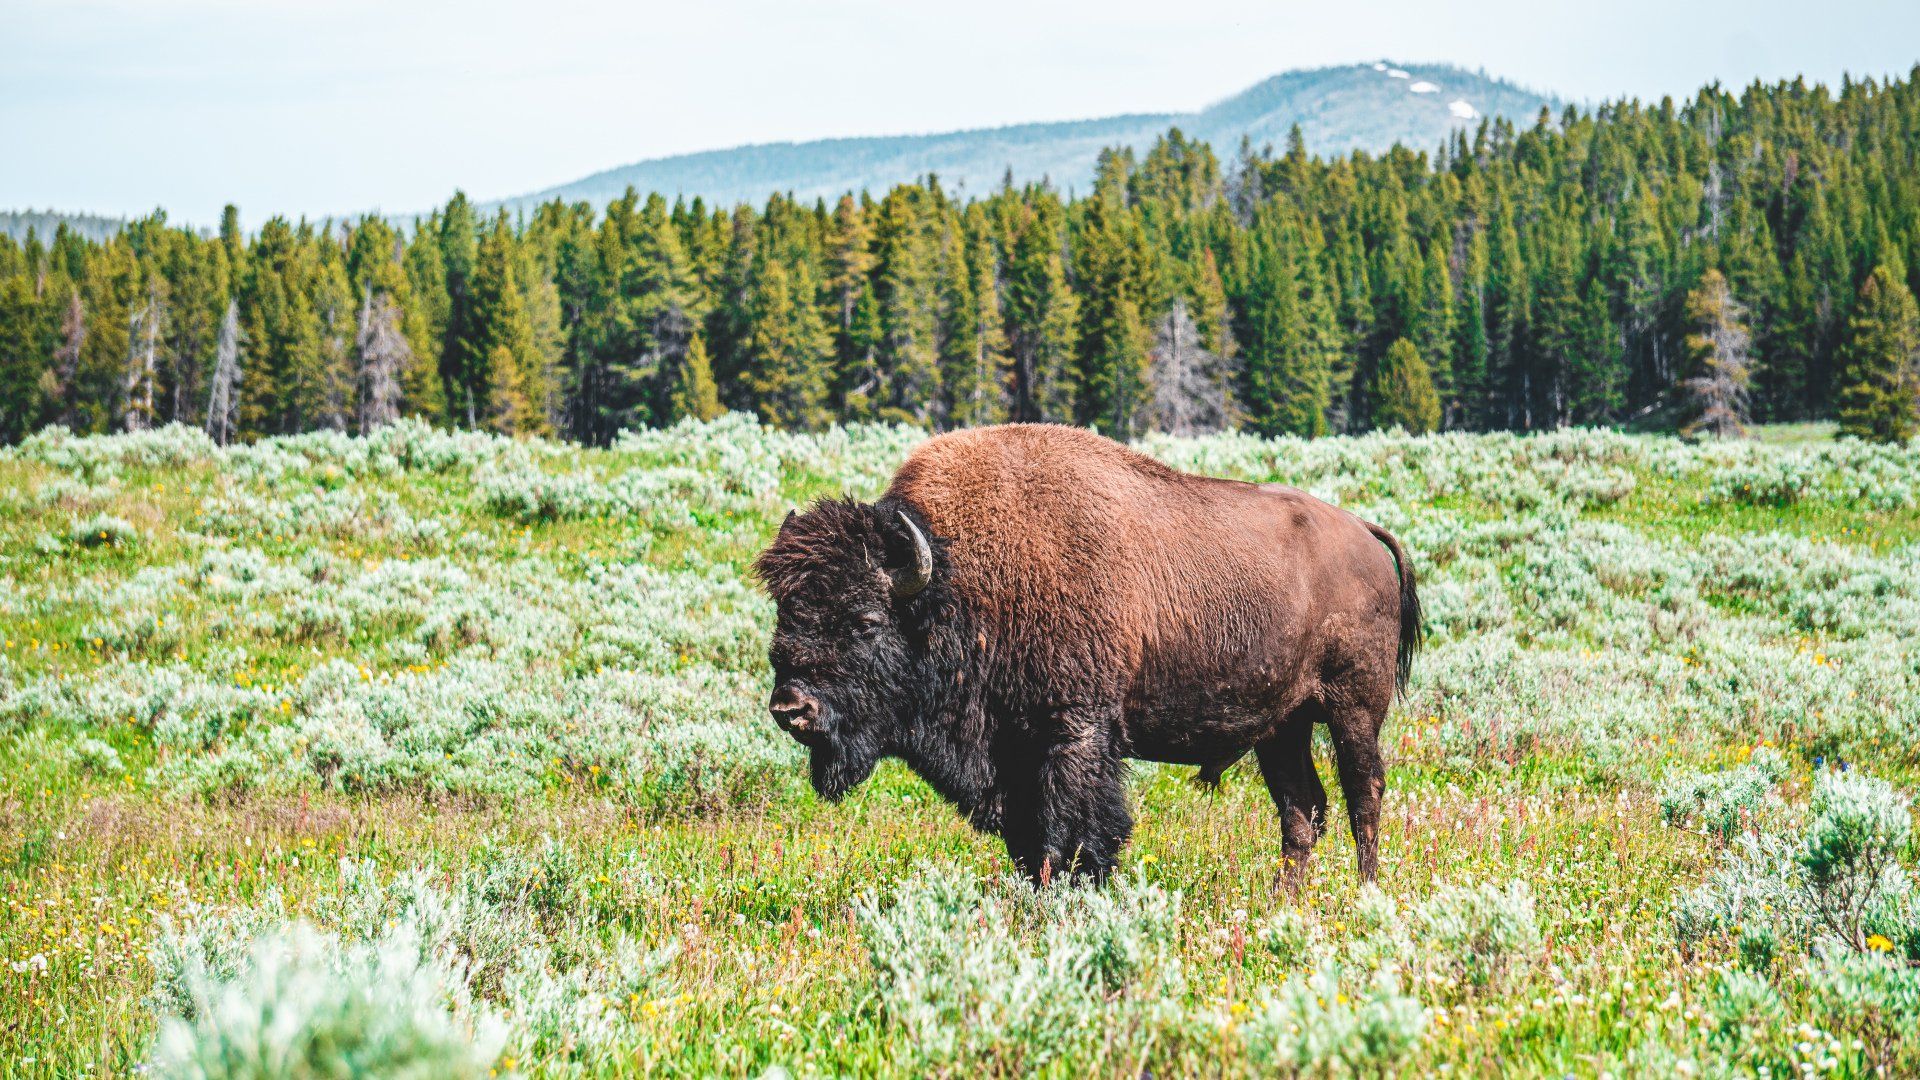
[1089, 560]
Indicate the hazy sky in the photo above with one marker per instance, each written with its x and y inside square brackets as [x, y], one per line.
[118, 106]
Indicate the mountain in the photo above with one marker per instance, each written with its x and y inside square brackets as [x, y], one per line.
[1356, 107]
[44, 223]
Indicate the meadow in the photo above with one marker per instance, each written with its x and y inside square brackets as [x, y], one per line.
[439, 754]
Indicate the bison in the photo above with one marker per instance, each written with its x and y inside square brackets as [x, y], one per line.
[1028, 605]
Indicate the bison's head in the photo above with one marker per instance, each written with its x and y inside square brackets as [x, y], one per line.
[843, 576]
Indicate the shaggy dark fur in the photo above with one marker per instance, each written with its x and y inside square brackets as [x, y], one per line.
[1088, 604]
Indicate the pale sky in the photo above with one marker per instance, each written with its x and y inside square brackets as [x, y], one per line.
[119, 106]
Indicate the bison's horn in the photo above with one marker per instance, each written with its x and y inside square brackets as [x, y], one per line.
[909, 582]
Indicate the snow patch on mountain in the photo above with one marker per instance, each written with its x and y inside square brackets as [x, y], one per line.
[1462, 110]
[1424, 87]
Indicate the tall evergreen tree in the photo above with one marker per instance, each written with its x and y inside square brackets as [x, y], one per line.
[503, 379]
[978, 376]
[1112, 268]
[907, 289]
[1042, 320]
[1880, 362]
[465, 347]
[695, 396]
[23, 342]
[1288, 335]
[787, 349]
[1403, 391]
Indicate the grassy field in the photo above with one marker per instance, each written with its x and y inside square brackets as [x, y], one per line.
[446, 753]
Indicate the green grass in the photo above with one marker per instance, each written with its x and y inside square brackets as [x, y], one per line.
[771, 968]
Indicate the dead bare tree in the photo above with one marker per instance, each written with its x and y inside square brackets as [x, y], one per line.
[143, 362]
[66, 358]
[1722, 348]
[223, 399]
[384, 356]
[1191, 386]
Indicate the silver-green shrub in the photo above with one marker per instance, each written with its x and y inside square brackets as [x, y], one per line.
[1478, 932]
[503, 956]
[305, 1005]
[969, 973]
[1726, 802]
[1836, 880]
[1334, 1022]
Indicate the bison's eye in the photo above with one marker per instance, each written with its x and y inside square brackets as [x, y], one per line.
[869, 623]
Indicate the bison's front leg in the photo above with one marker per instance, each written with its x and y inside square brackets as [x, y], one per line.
[1065, 812]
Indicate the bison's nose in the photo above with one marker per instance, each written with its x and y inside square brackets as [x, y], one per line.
[795, 712]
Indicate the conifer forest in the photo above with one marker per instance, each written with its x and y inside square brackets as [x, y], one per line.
[1736, 257]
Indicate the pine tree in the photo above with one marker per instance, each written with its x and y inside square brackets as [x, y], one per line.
[1722, 365]
[198, 283]
[111, 287]
[654, 306]
[21, 350]
[1112, 267]
[860, 380]
[695, 397]
[285, 378]
[1359, 323]
[1288, 336]
[850, 263]
[1116, 381]
[730, 325]
[978, 376]
[428, 312]
[1403, 391]
[465, 349]
[1212, 314]
[907, 286]
[1472, 403]
[1598, 379]
[959, 329]
[1542, 274]
[1433, 325]
[1880, 362]
[1042, 321]
[1558, 337]
[505, 383]
[787, 350]
[333, 382]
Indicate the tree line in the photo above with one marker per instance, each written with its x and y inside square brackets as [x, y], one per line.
[1700, 265]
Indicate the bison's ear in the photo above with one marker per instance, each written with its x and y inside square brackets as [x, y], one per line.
[909, 553]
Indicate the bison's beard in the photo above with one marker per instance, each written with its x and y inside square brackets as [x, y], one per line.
[840, 765]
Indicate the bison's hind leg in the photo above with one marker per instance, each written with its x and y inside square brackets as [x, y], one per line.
[1286, 763]
[1355, 726]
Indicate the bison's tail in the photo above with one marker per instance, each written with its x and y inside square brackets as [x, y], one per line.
[1411, 628]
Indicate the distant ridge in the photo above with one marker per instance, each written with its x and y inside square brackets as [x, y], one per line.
[44, 223]
[1339, 109]
[1355, 107]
